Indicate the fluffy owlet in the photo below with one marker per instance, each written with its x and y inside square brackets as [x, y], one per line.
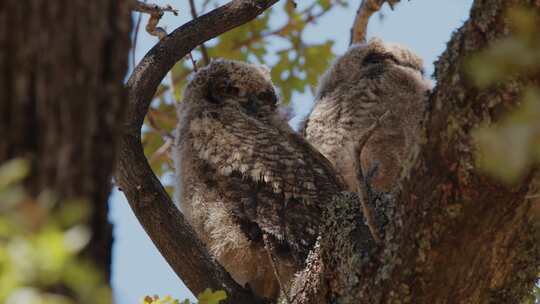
[368, 81]
[244, 174]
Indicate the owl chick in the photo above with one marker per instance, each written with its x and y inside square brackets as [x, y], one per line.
[244, 176]
[368, 81]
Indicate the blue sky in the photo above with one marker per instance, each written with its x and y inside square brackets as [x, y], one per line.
[423, 25]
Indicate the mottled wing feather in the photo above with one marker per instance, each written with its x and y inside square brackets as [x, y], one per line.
[273, 177]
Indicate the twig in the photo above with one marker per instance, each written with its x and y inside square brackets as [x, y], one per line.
[364, 186]
[135, 36]
[204, 5]
[366, 9]
[156, 12]
[193, 62]
[163, 133]
[162, 151]
[204, 51]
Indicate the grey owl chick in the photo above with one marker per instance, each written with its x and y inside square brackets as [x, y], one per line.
[366, 82]
[243, 173]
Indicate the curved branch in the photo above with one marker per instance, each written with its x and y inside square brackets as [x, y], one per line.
[364, 12]
[163, 222]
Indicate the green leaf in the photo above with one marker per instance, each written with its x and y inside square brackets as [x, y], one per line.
[209, 297]
[13, 171]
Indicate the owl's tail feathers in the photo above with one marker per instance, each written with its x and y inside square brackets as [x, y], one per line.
[365, 191]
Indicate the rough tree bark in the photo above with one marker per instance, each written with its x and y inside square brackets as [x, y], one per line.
[62, 66]
[451, 235]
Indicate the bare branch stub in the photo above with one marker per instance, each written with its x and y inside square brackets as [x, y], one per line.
[156, 12]
[365, 11]
[163, 222]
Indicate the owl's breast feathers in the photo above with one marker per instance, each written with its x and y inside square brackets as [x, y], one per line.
[271, 179]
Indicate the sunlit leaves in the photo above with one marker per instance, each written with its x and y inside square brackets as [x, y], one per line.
[300, 68]
[206, 297]
[211, 297]
[317, 59]
[246, 40]
[157, 300]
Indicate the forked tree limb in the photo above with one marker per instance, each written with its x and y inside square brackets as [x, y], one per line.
[453, 234]
[365, 11]
[163, 222]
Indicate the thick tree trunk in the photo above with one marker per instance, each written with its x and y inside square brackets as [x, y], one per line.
[62, 66]
[452, 234]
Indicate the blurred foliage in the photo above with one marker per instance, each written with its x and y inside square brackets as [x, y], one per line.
[507, 149]
[534, 296]
[206, 297]
[40, 242]
[39, 250]
[275, 39]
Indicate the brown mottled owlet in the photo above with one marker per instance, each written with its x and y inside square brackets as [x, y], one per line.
[243, 174]
[366, 82]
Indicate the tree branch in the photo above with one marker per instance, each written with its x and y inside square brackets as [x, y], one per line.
[194, 15]
[153, 9]
[449, 213]
[479, 226]
[364, 12]
[156, 12]
[163, 222]
[453, 235]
